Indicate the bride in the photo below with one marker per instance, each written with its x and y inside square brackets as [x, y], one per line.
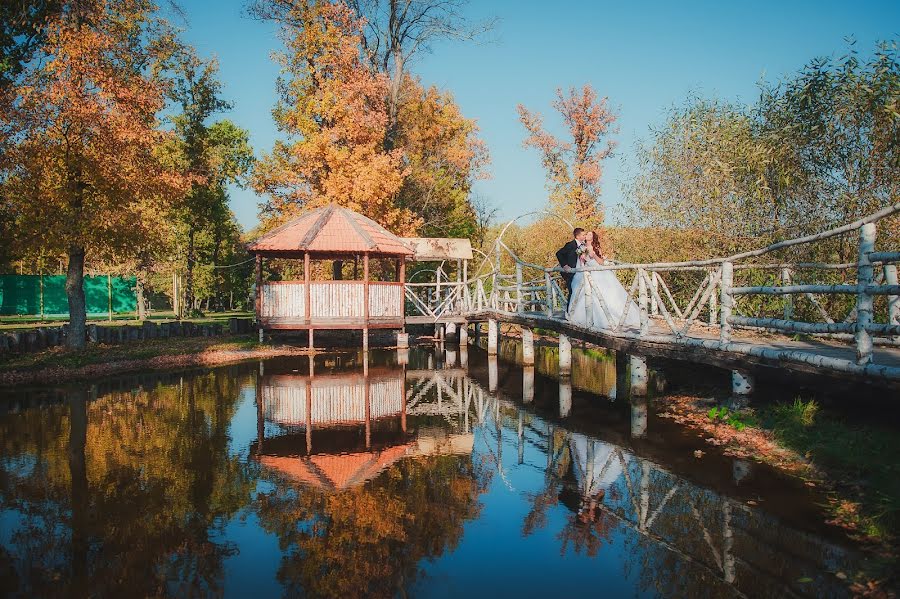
[590, 288]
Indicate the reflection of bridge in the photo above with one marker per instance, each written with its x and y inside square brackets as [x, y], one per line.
[736, 312]
[730, 547]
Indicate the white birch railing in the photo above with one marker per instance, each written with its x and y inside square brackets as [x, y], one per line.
[710, 317]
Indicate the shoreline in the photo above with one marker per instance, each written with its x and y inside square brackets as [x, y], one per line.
[51, 366]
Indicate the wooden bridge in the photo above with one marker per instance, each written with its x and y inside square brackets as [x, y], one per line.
[740, 312]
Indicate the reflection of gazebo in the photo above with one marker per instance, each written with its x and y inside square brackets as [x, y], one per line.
[330, 233]
[353, 426]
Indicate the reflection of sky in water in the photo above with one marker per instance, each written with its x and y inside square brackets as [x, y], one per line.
[492, 556]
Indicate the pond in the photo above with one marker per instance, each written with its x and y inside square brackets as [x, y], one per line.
[429, 473]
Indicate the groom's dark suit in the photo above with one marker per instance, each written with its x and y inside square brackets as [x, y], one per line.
[568, 256]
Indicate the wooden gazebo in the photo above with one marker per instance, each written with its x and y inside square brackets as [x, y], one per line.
[338, 234]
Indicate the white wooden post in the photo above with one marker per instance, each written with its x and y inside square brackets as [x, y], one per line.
[492, 337]
[643, 302]
[890, 278]
[864, 300]
[741, 383]
[713, 306]
[565, 355]
[548, 291]
[788, 298]
[639, 375]
[654, 305]
[527, 347]
[638, 417]
[463, 334]
[492, 373]
[727, 301]
[565, 397]
[528, 384]
[520, 299]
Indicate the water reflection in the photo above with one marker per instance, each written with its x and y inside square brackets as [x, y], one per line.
[386, 474]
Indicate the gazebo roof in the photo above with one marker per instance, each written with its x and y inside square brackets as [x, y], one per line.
[332, 229]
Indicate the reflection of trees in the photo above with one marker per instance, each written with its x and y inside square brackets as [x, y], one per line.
[126, 493]
[369, 540]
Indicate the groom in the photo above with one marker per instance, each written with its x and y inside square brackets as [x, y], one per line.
[568, 259]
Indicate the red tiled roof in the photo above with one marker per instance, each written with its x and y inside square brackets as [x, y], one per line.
[336, 472]
[331, 229]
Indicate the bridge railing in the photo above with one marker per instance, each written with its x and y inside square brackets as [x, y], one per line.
[711, 313]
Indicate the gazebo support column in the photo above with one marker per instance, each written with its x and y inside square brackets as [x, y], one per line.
[365, 333]
[402, 269]
[307, 314]
[258, 297]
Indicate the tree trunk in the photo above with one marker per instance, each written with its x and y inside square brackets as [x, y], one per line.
[139, 292]
[189, 278]
[79, 490]
[75, 294]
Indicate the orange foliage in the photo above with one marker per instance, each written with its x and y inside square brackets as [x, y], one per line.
[574, 168]
[83, 166]
[333, 109]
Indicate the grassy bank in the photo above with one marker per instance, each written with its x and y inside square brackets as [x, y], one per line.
[59, 364]
[17, 323]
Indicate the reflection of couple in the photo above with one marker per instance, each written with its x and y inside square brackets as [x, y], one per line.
[591, 291]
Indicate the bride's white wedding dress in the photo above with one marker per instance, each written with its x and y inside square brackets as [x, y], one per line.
[587, 290]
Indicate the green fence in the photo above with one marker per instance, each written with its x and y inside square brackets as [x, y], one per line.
[24, 294]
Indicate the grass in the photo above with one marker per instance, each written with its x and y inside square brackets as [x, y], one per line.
[60, 357]
[13, 323]
[861, 460]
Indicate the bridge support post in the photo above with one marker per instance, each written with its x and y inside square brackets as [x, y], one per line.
[565, 355]
[402, 340]
[741, 383]
[864, 300]
[450, 329]
[565, 396]
[492, 337]
[439, 331]
[638, 417]
[492, 373]
[528, 384]
[639, 375]
[464, 355]
[527, 347]
[463, 335]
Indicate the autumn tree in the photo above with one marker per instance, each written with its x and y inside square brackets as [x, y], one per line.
[574, 165]
[363, 131]
[83, 171]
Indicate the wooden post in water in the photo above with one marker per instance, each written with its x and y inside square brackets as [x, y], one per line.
[727, 302]
[864, 300]
[527, 347]
[638, 416]
[639, 375]
[365, 333]
[565, 355]
[565, 397]
[492, 373]
[463, 335]
[528, 384]
[492, 337]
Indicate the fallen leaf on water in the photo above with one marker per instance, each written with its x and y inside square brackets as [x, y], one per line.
[804, 579]
[841, 575]
[698, 453]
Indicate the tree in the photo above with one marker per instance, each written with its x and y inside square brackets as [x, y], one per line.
[215, 155]
[365, 132]
[574, 168]
[332, 110]
[83, 169]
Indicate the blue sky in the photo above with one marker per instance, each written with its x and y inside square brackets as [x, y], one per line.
[645, 56]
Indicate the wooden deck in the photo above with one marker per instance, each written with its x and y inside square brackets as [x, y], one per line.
[744, 352]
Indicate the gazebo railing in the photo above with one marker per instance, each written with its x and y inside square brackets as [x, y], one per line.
[330, 302]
